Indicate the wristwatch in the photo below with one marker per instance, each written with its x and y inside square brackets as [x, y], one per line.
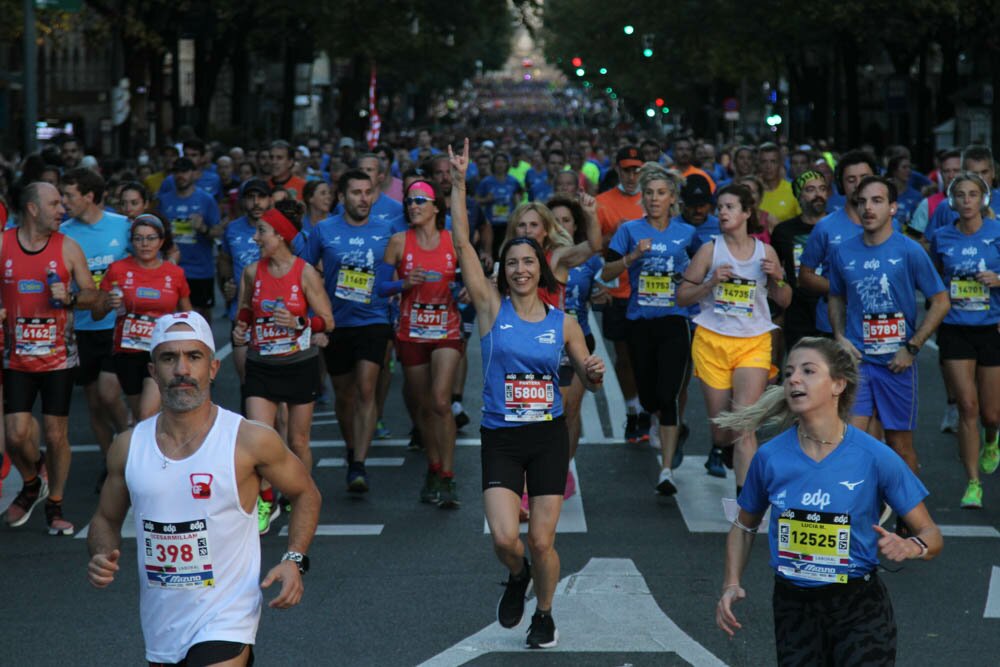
[299, 559]
[911, 348]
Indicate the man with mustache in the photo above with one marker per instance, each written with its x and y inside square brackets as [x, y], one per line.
[789, 239]
[191, 474]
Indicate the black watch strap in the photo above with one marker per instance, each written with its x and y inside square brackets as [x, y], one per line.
[911, 348]
[301, 560]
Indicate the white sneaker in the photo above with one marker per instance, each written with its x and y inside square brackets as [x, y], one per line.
[665, 486]
[654, 432]
[949, 422]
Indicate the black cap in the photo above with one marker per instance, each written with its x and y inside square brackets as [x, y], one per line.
[255, 185]
[628, 156]
[696, 191]
[183, 164]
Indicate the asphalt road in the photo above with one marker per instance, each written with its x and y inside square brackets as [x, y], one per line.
[395, 582]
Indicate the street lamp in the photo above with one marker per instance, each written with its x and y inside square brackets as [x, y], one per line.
[629, 29]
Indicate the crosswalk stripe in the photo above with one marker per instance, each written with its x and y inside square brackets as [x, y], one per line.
[992, 609]
[343, 530]
[611, 389]
[384, 462]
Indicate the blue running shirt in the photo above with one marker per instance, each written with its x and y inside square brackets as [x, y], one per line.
[961, 257]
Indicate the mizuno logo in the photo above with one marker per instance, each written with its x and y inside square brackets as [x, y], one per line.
[894, 262]
[850, 485]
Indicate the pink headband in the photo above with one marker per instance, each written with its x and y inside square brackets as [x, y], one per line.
[422, 187]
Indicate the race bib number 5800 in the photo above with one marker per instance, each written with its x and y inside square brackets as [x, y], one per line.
[177, 554]
[528, 397]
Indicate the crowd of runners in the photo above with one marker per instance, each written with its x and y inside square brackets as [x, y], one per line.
[797, 284]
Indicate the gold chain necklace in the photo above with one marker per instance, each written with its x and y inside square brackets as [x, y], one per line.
[805, 435]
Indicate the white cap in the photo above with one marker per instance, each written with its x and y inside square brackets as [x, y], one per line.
[200, 330]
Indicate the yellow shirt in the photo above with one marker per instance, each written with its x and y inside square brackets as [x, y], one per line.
[780, 202]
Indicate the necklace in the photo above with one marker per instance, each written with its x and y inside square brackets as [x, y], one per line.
[805, 435]
[197, 434]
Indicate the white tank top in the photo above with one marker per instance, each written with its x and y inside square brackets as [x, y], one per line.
[737, 307]
[198, 551]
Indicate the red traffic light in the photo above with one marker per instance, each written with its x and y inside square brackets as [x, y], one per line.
[577, 62]
[660, 102]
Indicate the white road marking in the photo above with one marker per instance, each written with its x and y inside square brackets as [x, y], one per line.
[385, 462]
[969, 531]
[324, 422]
[226, 350]
[592, 430]
[606, 607]
[324, 413]
[700, 498]
[128, 528]
[343, 530]
[612, 390]
[992, 609]
[571, 519]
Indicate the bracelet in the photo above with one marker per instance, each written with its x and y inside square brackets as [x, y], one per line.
[745, 529]
[920, 543]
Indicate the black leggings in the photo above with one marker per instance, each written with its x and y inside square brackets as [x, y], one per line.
[661, 361]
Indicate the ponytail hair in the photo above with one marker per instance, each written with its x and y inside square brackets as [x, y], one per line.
[771, 409]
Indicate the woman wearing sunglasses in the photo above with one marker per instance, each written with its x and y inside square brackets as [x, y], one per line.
[429, 343]
[523, 429]
[143, 287]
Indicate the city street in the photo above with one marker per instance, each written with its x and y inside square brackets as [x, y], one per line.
[395, 582]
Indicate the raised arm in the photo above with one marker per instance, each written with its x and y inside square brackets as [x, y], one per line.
[484, 296]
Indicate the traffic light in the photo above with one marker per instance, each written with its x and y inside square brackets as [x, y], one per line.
[629, 29]
[660, 102]
[651, 112]
[647, 45]
[577, 61]
[580, 71]
[774, 120]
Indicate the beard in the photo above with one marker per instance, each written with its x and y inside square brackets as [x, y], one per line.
[183, 399]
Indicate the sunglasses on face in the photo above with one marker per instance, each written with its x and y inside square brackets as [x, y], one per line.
[419, 201]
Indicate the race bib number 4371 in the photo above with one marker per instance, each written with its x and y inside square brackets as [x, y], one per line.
[177, 555]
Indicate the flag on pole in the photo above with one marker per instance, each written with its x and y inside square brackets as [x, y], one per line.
[374, 122]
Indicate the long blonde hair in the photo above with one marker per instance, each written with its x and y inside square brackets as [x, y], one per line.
[771, 409]
[555, 235]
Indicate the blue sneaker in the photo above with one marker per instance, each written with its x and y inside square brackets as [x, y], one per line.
[714, 464]
[381, 432]
[357, 478]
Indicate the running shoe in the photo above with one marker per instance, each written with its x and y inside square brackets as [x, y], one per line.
[989, 455]
[448, 496]
[542, 633]
[654, 433]
[525, 512]
[357, 478]
[632, 429]
[461, 420]
[54, 517]
[645, 422]
[570, 485]
[285, 504]
[24, 504]
[416, 444]
[432, 488]
[973, 498]
[267, 512]
[510, 609]
[949, 422]
[714, 464]
[665, 485]
[381, 432]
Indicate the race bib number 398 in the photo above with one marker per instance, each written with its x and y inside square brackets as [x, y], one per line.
[177, 554]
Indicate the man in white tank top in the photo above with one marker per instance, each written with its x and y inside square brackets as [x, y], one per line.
[191, 474]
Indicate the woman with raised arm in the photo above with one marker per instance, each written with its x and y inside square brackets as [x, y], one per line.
[523, 430]
[825, 482]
